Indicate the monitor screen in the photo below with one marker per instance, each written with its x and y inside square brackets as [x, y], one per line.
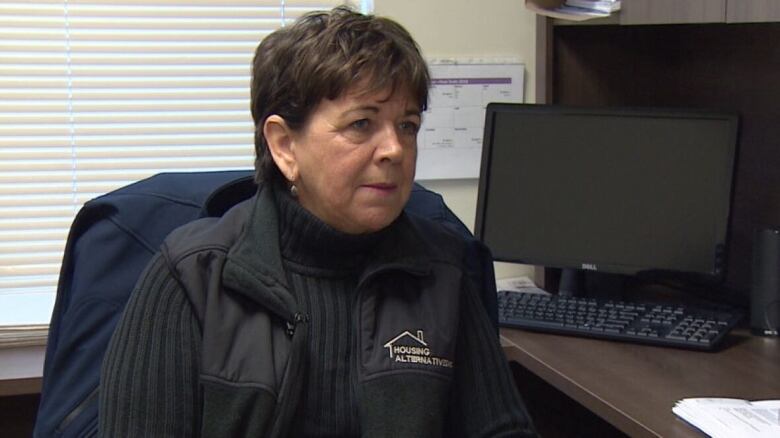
[607, 189]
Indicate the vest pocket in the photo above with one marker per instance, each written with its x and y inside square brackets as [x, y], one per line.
[404, 404]
[235, 409]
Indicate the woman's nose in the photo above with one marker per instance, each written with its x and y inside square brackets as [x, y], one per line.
[391, 147]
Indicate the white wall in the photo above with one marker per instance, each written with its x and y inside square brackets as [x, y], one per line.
[469, 28]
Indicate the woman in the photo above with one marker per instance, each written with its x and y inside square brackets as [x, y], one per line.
[316, 308]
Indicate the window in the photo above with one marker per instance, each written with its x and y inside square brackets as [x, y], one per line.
[96, 94]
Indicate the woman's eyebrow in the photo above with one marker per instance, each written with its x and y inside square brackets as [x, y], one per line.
[372, 108]
[375, 109]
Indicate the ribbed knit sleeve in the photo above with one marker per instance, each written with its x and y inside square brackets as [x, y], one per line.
[149, 383]
[485, 401]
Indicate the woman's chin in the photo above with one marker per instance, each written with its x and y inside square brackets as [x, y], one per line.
[371, 223]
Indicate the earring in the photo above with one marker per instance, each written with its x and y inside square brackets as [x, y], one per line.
[293, 190]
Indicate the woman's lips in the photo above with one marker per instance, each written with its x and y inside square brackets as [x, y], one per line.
[381, 187]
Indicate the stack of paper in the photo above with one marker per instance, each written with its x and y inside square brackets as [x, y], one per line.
[731, 418]
[574, 10]
[602, 6]
[519, 284]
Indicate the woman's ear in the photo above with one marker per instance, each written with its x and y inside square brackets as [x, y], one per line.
[279, 138]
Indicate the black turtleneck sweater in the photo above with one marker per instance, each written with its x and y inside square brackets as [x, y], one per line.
[322, 266]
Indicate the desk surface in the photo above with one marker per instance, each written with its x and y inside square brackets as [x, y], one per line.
[634, 387]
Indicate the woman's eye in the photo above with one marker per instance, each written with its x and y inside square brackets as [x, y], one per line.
[410, 127]
[360, 125]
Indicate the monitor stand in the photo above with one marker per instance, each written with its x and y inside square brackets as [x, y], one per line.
[590, 284]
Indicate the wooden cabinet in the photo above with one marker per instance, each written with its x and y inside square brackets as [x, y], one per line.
[673, 11]
[752, 11]
[692, 11]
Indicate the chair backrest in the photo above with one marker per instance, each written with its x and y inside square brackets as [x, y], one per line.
[110, 242]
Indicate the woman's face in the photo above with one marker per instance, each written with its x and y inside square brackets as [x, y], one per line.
[356, 159]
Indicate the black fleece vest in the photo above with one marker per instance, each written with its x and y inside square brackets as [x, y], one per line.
[253, 355]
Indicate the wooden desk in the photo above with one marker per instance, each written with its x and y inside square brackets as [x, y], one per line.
[634, 387]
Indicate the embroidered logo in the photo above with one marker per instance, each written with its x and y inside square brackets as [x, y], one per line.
[409, 348]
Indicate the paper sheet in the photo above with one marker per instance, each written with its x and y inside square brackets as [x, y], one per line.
[450, 139]
[519, 284]
[731, 418]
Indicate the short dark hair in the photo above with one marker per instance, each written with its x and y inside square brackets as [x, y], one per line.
[321, 56]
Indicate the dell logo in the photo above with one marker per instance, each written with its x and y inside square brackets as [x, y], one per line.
[589, 267]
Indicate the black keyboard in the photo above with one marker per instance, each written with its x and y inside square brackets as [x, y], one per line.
[659, 324]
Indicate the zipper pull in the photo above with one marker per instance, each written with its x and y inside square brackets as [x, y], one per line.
[298, 318]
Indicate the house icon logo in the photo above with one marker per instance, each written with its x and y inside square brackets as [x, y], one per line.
[412, 348]
[394, 345]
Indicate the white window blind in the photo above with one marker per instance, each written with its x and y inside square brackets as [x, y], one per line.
[96, 94]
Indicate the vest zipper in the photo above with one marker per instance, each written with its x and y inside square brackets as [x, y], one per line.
[293, 374]
[298, 318]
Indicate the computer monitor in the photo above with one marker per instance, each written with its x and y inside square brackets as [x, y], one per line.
[615, 190]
